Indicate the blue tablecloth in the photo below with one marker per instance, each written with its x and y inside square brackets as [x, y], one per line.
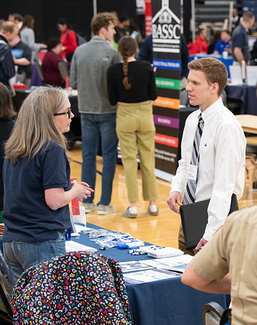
[227, 62]
[162, 302]
[246, 94]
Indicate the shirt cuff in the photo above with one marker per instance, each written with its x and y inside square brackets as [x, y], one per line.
[209, 232]
[175, 188]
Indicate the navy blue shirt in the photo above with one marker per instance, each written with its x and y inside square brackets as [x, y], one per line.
[26, 215]
[7, 67]
[240, 39]
[25, 53]
[6, 126]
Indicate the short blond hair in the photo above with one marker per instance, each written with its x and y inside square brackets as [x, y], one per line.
[214, 70]
[8, 26]
[103, 19]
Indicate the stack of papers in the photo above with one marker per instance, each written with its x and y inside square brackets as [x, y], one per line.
[72, 246]
[134, 266]
[148, 276]
[161, 252]
[179, 263]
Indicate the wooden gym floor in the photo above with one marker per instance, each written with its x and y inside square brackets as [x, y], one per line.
[160, 230]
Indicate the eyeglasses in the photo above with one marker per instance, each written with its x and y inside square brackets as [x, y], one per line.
[69, 113]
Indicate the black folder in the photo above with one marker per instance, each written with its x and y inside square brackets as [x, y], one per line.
[194, 218]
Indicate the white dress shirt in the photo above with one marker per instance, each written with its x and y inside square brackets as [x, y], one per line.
[221, 165]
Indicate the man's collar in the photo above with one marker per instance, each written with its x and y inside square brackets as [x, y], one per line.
[96, 37]
[209, 111]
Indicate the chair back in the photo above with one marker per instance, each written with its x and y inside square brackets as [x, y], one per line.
[40, 70]
[183, 97]
[63, 69]
[21, 77]
[7, 283]
[212, 313]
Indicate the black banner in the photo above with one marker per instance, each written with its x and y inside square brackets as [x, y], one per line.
[166, 53]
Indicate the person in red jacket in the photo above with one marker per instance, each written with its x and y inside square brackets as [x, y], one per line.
[68, 39]
[201, 43]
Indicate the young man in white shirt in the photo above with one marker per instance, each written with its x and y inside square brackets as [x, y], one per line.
[220, 170]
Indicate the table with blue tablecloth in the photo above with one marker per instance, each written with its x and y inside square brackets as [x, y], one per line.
[227, 61]
[161, 302]
[246, 94]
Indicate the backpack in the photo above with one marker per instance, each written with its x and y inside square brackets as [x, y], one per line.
[80, 39]
[6, 61]
[4, 49]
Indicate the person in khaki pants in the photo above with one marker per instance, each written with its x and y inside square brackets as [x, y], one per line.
[131, 84]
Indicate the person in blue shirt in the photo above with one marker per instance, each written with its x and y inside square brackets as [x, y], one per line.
[36, 177]
[224, 44]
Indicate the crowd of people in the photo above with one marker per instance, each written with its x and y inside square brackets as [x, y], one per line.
[235, 43]
[27, 50]
[223, 42]
[115, 91]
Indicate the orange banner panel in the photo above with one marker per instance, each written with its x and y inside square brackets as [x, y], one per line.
[166, 140]
[167, 102]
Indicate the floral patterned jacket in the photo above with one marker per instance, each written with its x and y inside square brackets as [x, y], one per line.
[73, 288]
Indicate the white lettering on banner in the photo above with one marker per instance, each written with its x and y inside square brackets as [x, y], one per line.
[164, 102]
[166, 30]
[163, 139]
[163, 120]
[166, 64]
[165, 155]
[162, 152]
[165, 50]
[165, 83]
[164, 158]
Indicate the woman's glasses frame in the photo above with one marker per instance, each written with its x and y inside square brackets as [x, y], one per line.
[68, 112]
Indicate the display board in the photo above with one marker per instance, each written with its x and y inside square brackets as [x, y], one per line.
[166, 53]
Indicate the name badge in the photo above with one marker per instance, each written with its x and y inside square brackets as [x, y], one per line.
[191, 172]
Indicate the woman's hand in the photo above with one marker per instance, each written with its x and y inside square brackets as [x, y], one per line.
[57, 198]
[83, 190]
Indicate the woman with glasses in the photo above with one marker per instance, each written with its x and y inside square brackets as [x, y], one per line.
[36, 175]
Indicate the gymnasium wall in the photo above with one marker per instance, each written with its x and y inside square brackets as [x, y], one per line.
[78, 12]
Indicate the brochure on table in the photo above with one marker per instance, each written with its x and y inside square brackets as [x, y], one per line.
[168, 262]
[169, 267]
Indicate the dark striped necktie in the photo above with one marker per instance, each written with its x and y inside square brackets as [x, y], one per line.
[189, 196]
